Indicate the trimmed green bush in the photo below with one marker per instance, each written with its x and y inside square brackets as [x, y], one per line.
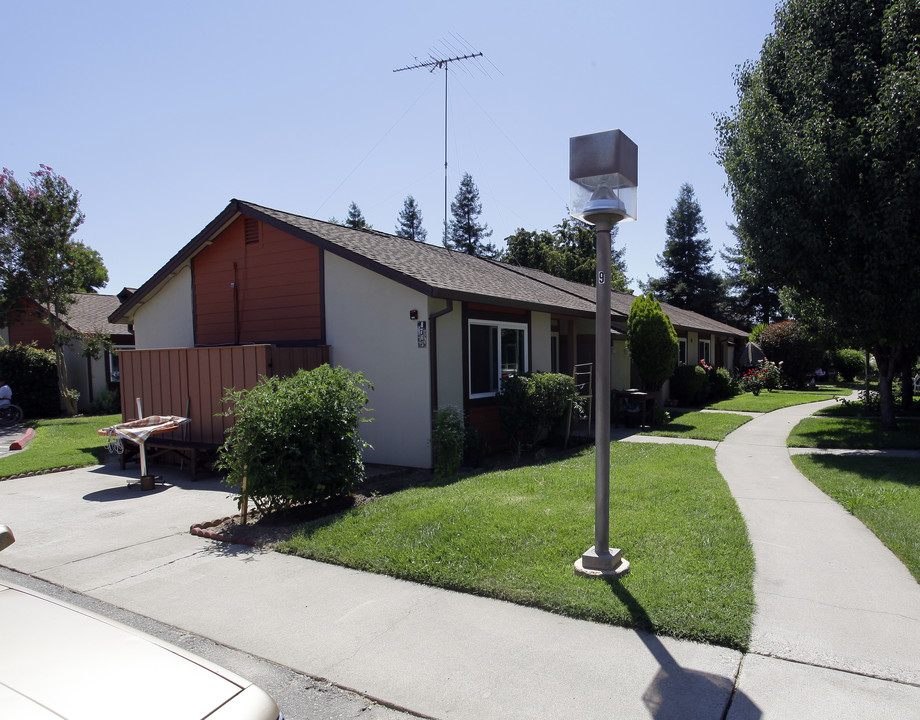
[652, 341]
[108, 402]
[721, 385]
[534, 404]
[295, 439]
[849, 363]
[448, 440]
[32, 375]
[687, 383]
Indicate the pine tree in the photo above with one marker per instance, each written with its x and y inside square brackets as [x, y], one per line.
[356, 219]
[409, 222]
[465, 233]
[689, 281]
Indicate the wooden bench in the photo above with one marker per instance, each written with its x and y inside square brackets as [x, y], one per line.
[188, 449]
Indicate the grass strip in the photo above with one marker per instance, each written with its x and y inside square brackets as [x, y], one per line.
[883, 493]
[60, 442]
[515, 534]
[700, 426]
[854, 433]
[768, 401]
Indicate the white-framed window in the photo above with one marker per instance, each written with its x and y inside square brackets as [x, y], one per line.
[496, 350]
[682, 351]
[706, 351]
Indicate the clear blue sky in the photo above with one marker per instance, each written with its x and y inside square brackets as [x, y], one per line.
[160, 113]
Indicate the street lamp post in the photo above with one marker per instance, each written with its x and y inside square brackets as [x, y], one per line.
[603, 169]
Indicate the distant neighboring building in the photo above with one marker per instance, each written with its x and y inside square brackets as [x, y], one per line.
[89, 312]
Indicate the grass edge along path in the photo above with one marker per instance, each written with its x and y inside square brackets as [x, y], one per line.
[700, 425]
[847, 433]
[768, 401]
[514, 535]
[882, 493]
[60, 442]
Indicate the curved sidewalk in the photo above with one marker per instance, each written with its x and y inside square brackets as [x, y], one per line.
[829, 594]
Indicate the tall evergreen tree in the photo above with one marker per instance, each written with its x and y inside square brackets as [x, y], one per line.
[689, 281]
[464, 232]
[356, 219]
[409, 222]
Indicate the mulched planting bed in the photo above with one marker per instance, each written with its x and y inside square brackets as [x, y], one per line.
[264, 530]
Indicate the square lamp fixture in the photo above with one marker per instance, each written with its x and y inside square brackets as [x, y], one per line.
[604, 175]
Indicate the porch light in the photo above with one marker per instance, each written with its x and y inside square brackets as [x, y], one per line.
[603, 170]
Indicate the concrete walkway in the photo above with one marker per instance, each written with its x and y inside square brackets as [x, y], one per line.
[838, 615]
[836, 634]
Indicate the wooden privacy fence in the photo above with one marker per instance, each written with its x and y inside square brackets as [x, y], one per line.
[190, 382]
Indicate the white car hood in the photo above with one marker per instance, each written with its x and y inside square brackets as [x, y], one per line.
[77, 665]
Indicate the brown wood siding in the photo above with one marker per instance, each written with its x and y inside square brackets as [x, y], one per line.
[190, 382]
[26, 326]
[278, 293]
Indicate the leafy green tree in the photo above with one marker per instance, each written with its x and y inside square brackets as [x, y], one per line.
[689, 281]
[790, 343]
[464, 232]
[41, 260]
[652, 341]
[748, 299]
[568, 251]
[821, 156]
[409, 222]
[355, 218]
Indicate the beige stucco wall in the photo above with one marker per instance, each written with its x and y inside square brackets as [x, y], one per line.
[369, 329]
[80, 379]
[619, 365]
[165, 319]
[541, 348]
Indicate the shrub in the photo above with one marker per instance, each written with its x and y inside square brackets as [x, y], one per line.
[788, 343]
[108, 402]
[533, 404]
[448, 439]
[652, 342]
[32, 375]
[687, 383]
[295, 439]
[765, 376]
[849, 363]
[721, 384]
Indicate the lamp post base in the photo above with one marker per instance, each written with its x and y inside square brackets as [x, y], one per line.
[603, 564]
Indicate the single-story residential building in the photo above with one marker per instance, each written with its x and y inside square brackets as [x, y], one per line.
[89, 313]
[427, 326]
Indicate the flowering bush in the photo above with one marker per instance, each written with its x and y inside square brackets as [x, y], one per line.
[765, 376]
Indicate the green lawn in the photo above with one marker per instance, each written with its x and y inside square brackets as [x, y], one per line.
[515, 534]
[700, 425]
[854, 433]
[884, 493]
[767, 401]
[60, 442]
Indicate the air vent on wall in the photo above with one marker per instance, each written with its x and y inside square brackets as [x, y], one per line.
[251, 230]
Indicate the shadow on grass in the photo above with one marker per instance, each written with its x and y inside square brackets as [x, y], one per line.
[900, 470]
[675, 692]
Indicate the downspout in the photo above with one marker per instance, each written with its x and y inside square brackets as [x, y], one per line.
[433, 353]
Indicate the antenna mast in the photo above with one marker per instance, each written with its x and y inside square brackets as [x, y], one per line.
[431, 65]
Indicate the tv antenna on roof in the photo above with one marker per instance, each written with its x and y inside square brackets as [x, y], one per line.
[432, 64]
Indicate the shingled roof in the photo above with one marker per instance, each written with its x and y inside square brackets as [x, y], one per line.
[432, 270]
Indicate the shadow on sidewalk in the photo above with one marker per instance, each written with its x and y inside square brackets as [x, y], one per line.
[678, 693]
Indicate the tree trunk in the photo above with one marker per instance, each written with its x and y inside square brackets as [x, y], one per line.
[907, 380]
[887, 357]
